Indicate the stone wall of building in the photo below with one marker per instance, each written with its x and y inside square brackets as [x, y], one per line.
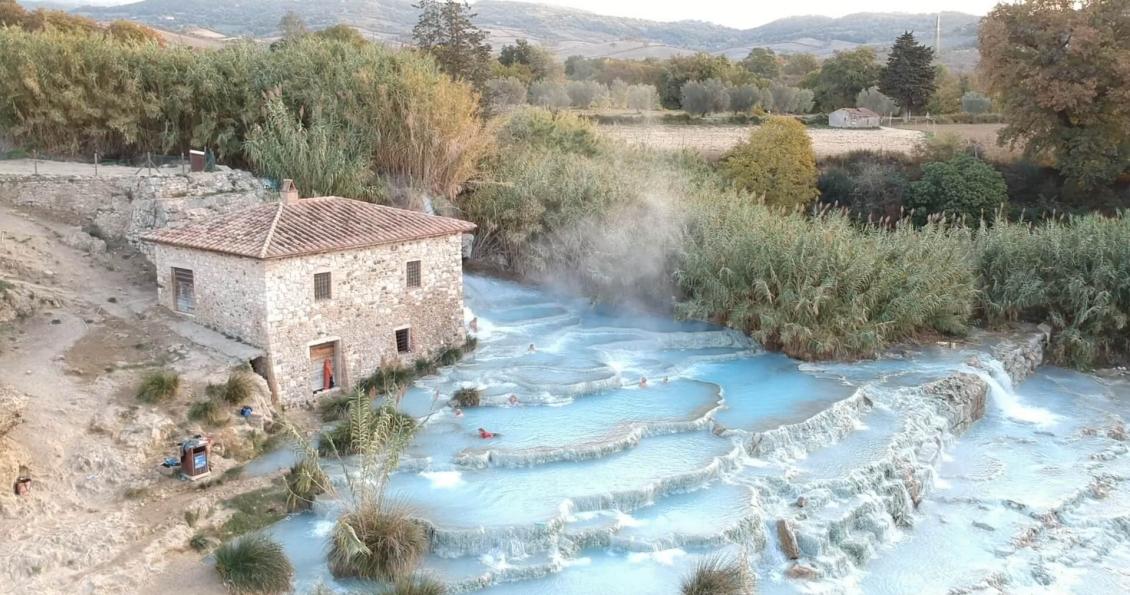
[229, 290]
[370, 300]
[122, 207]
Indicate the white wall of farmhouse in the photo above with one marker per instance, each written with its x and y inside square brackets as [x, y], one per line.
[271, 304]
[228, 290]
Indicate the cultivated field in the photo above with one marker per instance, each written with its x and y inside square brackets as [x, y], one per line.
[985, 135]
[713, 141]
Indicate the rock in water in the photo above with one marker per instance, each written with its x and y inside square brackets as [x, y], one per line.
[788, 539]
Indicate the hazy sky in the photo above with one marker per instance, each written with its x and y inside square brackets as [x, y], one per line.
[751, 13]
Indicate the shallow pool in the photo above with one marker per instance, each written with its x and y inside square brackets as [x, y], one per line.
[631, 447]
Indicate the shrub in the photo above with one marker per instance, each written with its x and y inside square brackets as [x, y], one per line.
[776, 162]
[200, 542]
[467, 397]
[450, 356]
[209, 412]
[963, 187]
[973, 102]
[822, 287]
[386, 378]
[236, 390]
[376, 543]
[254, 564]
[417, 585]
[716, 576]
[942, 147]
[339, 438]
[305, 482]
[532, 128]
[549, 95]
[158, 386]
[1072, 273]
[424, 366]
[704, 97]
[505, 92]
[334, 409]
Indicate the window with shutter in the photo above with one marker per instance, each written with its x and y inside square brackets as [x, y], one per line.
[184, 291]
[403, 341]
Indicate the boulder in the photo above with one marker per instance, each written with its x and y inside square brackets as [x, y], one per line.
[787, 539]
[802, 572]
[965, 393]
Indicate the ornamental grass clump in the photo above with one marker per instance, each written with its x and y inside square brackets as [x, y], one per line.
[376, 542]
[236, 390]
[467, 397]
[305, 482]
[209, 412]
[254, 564]
[417, 585]
[159, 386]
[716, 576]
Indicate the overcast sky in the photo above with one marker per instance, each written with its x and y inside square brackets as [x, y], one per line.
[743, 14]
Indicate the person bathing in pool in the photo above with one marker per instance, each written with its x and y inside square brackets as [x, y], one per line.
[485, 435]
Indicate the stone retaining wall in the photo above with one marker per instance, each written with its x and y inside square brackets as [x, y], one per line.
[121, 207]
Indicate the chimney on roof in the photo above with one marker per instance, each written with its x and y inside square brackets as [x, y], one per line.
[288, 191]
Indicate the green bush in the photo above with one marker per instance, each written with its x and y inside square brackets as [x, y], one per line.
[158, 386]
[716, 576]
[334, 409]
[777, 163]
[963, 187]
[467, 397]
[385, 379]
[450, 356]
[374, 543]
[236, 390]
[305, 482]
[1072, 273]
[339, 438]
[543, 129]
[209, 412]
[76, 94]
[822, 287]
[254, 564]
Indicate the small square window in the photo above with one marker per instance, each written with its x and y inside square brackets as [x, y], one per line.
[403, 341]
[413, 273]
[322, 289]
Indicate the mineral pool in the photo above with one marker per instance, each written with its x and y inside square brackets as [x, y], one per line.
[601, 483]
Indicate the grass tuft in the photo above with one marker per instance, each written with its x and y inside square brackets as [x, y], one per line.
[417, 585]
[237, 390]
[715, 576]
[158, 386]
[209, 412]
[254, 564]
[373, 542]
[339, 438]
[467, 397]
[305, 482]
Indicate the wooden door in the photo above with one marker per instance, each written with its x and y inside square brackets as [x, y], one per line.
[184, 293]
[323, 367]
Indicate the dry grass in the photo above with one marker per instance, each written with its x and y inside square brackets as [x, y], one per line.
[985, 135]
[713, 141]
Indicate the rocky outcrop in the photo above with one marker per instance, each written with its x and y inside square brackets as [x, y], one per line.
[121, 207]
[787, 539]
[12, 406]
[965, 394]
[1021, 356]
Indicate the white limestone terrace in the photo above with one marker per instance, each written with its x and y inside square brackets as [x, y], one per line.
[925, 471]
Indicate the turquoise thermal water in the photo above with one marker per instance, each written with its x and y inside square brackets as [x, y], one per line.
[597, 484]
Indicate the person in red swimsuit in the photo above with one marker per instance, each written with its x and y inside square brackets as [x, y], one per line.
[485, 435]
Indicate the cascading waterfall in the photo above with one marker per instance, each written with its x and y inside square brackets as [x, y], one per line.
[636, 446]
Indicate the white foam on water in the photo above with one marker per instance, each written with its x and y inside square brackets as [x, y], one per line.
[664, 557]
[323, 528]
[1005, 398]
[627, 520]
[443, 480]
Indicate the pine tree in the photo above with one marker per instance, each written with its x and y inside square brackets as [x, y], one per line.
[459, 47]
[909, 75]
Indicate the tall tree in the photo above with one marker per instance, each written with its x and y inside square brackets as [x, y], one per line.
[762, 62]
[291, 26]
[843, 76]
[909, 75]
[1061, 72]
[459, 47]
[535, 61]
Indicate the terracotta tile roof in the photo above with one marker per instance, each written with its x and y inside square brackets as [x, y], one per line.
[308, 226]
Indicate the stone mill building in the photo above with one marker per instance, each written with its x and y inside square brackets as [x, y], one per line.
[328, 288]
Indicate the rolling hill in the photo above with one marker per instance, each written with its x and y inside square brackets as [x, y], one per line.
[565, 31]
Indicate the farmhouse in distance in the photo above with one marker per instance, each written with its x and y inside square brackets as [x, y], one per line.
[329, 288]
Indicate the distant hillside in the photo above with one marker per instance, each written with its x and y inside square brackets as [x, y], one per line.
[566, 31]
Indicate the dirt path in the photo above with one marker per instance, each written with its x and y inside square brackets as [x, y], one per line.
[101, 517]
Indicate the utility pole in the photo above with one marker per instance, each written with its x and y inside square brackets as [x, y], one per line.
[938, 37]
